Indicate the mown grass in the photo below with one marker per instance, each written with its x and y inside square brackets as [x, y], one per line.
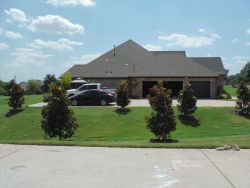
[103, 127]
[231, 90]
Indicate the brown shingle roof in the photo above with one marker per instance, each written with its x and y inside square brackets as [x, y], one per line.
[132, 60]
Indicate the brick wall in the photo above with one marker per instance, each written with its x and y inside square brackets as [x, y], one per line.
[135, 84]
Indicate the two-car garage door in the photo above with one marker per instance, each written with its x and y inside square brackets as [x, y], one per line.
[201, 89]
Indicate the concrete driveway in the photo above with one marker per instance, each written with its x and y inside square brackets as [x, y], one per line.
[145, 103]
[64, 167]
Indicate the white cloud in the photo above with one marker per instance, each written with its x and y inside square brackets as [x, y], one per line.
[214, 35]
[3, 46]
[13, 35]
[248, 43]
[10, 34]
[189, 41]
[201, 30]
[85, 58]
[235, 64]
[152, 47]
[240, 59]
[59, 45]
[86, 3]
[248, 31]
[235, 40]
[55, 24]
[16, 14]
[24, 57]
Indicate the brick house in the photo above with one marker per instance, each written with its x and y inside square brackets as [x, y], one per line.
[142, 69]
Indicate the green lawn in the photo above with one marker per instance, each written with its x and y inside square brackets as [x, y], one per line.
[103, 127]
[231, 90]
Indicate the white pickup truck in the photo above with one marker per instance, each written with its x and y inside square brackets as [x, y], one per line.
[84, 87]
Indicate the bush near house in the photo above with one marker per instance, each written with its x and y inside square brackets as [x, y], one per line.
[122, 99]
[243, 102]
[187, 100]
[161, 120]
[16, 99]
[57, 118]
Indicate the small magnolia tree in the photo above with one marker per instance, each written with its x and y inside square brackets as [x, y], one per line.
[16, 99]
[187, 100]
[57, 118]
[122, 99]
[243, 101]
[161, 120]
[65, 81]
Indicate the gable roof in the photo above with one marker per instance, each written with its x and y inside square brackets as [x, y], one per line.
[132, 60]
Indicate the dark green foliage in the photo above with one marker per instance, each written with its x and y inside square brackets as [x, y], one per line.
[16, 99]
[47, 81]
[33, 87]
[122, 99]
[161, 120]
[245, 73]
[187, 100]
[2, 88]
[9, 85]
[243, 101]
[57, 118]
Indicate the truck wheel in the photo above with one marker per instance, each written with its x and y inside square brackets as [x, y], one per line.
[104, 102]
[74, 103]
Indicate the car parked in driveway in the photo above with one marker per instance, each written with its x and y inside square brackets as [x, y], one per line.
[92, 97]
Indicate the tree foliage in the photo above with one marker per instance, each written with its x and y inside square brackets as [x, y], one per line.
[243, 100]
[57, 118]
[33, 87]
[66, 81]
[16, 99]
[187, 100]
[245, 73]
[122, 98]
[47, 81]
[161, 120]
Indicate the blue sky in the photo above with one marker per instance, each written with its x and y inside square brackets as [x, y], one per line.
[49, 36]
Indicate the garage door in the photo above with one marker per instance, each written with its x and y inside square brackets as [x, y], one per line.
[201, 89]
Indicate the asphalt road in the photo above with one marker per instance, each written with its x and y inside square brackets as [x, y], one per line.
[64, 167]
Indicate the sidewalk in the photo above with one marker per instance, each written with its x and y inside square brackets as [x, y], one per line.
[62, 166]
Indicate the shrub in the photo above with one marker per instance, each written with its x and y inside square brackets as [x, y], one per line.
[243, 100]
[187, 100]
[161, 120]
[66, 81]
[122, 99]
[57, 118]
[16, 99]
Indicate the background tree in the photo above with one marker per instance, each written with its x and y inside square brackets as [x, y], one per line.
[161, 120]
[245, 73]
[66, 81]
[243, 100]
[2, 88]
[122, 98]
[187, 100]
[47, 81]
[16, 99]
[33, 87]
[9, 85]
[57, 118]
